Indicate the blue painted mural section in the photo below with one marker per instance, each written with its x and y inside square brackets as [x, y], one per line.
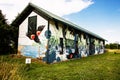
[30, 51]
[51, 57]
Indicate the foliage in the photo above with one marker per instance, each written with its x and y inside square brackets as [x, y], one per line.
[112, 46]
[100, 67]
[8, 36]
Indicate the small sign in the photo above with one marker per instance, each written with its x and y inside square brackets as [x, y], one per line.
[28, 61]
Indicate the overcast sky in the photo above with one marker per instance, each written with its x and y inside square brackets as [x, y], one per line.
[98, 16]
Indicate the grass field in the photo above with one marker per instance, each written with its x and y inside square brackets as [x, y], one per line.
[96, 67]
[114, 50]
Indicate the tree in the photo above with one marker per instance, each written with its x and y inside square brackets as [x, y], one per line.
[107, 46]
[112, 46]
[7, 36]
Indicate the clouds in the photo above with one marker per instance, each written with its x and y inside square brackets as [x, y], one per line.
[59, 7]
[64, 7]
[10, 8]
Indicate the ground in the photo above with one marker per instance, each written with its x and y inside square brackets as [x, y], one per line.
[96, 67]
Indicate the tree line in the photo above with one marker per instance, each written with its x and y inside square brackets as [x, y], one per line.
[112, 46]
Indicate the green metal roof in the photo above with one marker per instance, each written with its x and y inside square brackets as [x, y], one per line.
[48, 15]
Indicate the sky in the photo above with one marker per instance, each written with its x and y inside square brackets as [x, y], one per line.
[98, 16]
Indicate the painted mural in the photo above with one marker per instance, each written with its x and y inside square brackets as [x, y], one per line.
[66, 44]
[63, 43]
[32, 41]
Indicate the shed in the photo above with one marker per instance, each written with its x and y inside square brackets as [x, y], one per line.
[51, 38]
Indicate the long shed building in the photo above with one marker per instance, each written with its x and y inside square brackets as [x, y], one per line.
[51, 38]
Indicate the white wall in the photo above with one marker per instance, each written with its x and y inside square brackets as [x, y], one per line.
[23, 28]
[26, 46]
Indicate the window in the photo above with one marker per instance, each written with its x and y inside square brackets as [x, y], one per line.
[32, 24]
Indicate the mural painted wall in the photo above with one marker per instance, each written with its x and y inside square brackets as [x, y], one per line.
[65, 42]
[32, 41]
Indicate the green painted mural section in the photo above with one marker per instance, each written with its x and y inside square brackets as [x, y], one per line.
[80, 46]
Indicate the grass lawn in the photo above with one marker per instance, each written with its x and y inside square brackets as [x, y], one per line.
[96, 67]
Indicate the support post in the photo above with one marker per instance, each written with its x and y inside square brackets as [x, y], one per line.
[47, 55]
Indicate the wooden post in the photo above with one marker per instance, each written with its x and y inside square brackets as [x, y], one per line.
[47, 55]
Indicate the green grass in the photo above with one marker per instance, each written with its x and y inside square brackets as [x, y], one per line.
[96, 67]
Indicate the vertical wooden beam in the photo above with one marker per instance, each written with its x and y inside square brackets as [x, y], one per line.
[47, 54]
